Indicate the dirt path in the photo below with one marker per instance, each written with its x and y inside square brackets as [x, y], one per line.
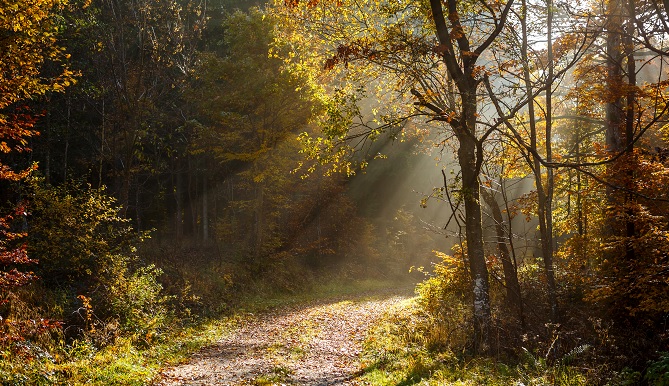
[307, 345]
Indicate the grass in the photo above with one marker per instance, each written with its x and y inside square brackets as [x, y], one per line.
[127, 363]
[121, 363]
[396, 353]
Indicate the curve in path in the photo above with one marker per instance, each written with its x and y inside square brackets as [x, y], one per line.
[311, 345]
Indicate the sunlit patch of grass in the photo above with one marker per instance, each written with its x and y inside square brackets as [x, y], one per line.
[361, 290]
[122, 363]
[399, 351]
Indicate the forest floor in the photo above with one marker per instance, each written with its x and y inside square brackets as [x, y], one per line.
[307, 344]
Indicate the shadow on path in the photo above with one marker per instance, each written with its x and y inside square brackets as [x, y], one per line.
[317, 343]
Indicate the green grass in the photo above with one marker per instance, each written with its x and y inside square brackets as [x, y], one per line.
[121, 363]
[396, 353]
[128, 363]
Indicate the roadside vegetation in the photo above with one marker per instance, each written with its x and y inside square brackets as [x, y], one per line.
[134, 357]
[424, 340]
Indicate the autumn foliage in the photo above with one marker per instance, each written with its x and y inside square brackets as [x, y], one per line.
[29, 43]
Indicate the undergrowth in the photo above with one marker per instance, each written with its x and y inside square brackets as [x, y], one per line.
[401, 350]
[127, 361]
[427, 340]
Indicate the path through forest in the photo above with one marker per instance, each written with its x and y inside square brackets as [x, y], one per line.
[301, 345]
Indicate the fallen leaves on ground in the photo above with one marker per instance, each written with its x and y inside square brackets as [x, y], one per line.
[306, 345]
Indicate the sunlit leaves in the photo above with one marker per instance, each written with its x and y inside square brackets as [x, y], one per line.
[29, 31]
[260, 105]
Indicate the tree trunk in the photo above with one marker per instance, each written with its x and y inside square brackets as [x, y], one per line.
[461, 69]
[513, 295]
[547, 236]
[619, 117]
[630, 231]
[178, 198]
[205, 209]
[67, 136]
[544, 204]
[614, 54]
[259, 220]
[474, 234]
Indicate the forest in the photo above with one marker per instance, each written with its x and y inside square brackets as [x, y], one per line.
[164, 164]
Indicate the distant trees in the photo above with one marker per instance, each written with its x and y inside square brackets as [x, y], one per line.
[194, 138]
[240, 133]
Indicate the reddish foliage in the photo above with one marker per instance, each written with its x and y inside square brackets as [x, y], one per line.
[18, 330]
[12, 256]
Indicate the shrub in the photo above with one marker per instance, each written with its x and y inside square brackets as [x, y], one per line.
[442, 297]
[657, 373]
[138, 302]
[88, 252]
[75, 232]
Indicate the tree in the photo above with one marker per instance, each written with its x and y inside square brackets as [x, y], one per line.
[463, 69]
[244, 109]
[29, 31]
[146, 51]
[434, 54]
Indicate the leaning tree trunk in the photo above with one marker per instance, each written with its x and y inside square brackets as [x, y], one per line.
[467, 157]
[513, 295]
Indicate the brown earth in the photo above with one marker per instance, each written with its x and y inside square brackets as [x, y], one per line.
[304, 345]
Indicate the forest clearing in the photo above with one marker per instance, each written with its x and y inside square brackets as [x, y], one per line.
[238, 192]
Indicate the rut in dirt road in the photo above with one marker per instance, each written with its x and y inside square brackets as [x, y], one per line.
[312, 345]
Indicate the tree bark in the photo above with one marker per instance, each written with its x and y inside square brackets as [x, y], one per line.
[614, 54]
[178, 198]
[619, 120]
[205, 209]
[630, 231]
[547, 236]
[513, 295]
[460, 61]
[544, 202]
[474, 234]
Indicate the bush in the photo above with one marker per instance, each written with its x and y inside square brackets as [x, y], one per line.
[657, 373]
[75, 233]
[442, 297]
[138, 302]
[87, 252]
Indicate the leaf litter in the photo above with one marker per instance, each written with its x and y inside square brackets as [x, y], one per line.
[300, 345]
